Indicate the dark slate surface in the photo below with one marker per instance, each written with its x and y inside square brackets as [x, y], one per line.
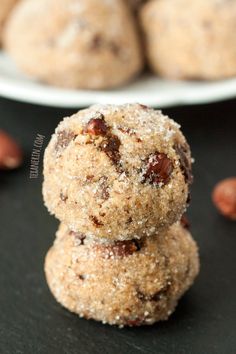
[30, 319]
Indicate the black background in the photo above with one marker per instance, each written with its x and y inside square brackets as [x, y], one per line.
[30, 319]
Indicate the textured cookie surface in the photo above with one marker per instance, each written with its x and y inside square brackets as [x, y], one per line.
[126, 283]
[117, 172]
[191, 39]
[75, 43]
[136, 4]
[5, 8]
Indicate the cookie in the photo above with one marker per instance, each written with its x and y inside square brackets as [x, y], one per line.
[89, 44]
[117, 172]
[136, 4]
[5, 9]
[127, 283]
[191, 39]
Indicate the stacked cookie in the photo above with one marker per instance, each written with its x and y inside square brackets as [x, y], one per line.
[117, 177]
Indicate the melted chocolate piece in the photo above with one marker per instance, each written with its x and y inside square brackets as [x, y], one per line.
[89, 178]
[130, 220]
[158, 169]
[120, 249]
[111, 143]
[111, 146]
[95, 221]
[182, 151]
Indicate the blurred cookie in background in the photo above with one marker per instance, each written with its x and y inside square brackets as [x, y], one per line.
[190, 39]
[136, 4]
[89, 44]
[6, 7]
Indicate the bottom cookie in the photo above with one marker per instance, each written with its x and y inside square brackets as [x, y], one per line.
[127, 283]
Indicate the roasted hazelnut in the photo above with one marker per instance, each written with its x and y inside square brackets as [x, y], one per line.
[224, 197]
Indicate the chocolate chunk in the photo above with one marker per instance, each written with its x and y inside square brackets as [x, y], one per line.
[158, 169]
[96, 126]
[63, 197]
[96, 42]
[95, 221]
[78, 236]
[111, 143]
[185, 222]
[185, 164]
[129, 221]
[111, 147]
[81, 276]
[89, 178]
[119, 249]
[63, 139]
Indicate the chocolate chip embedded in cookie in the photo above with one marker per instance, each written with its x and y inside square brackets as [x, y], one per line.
[185, 161]
[158, 169]
[119, 249]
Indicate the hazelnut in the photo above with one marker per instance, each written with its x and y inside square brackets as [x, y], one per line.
[224, 197]
[10, 152]
[96, 126]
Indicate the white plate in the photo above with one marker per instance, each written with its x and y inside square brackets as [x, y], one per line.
[148, 90]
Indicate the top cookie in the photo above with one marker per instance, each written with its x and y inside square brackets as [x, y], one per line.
[117, 172]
